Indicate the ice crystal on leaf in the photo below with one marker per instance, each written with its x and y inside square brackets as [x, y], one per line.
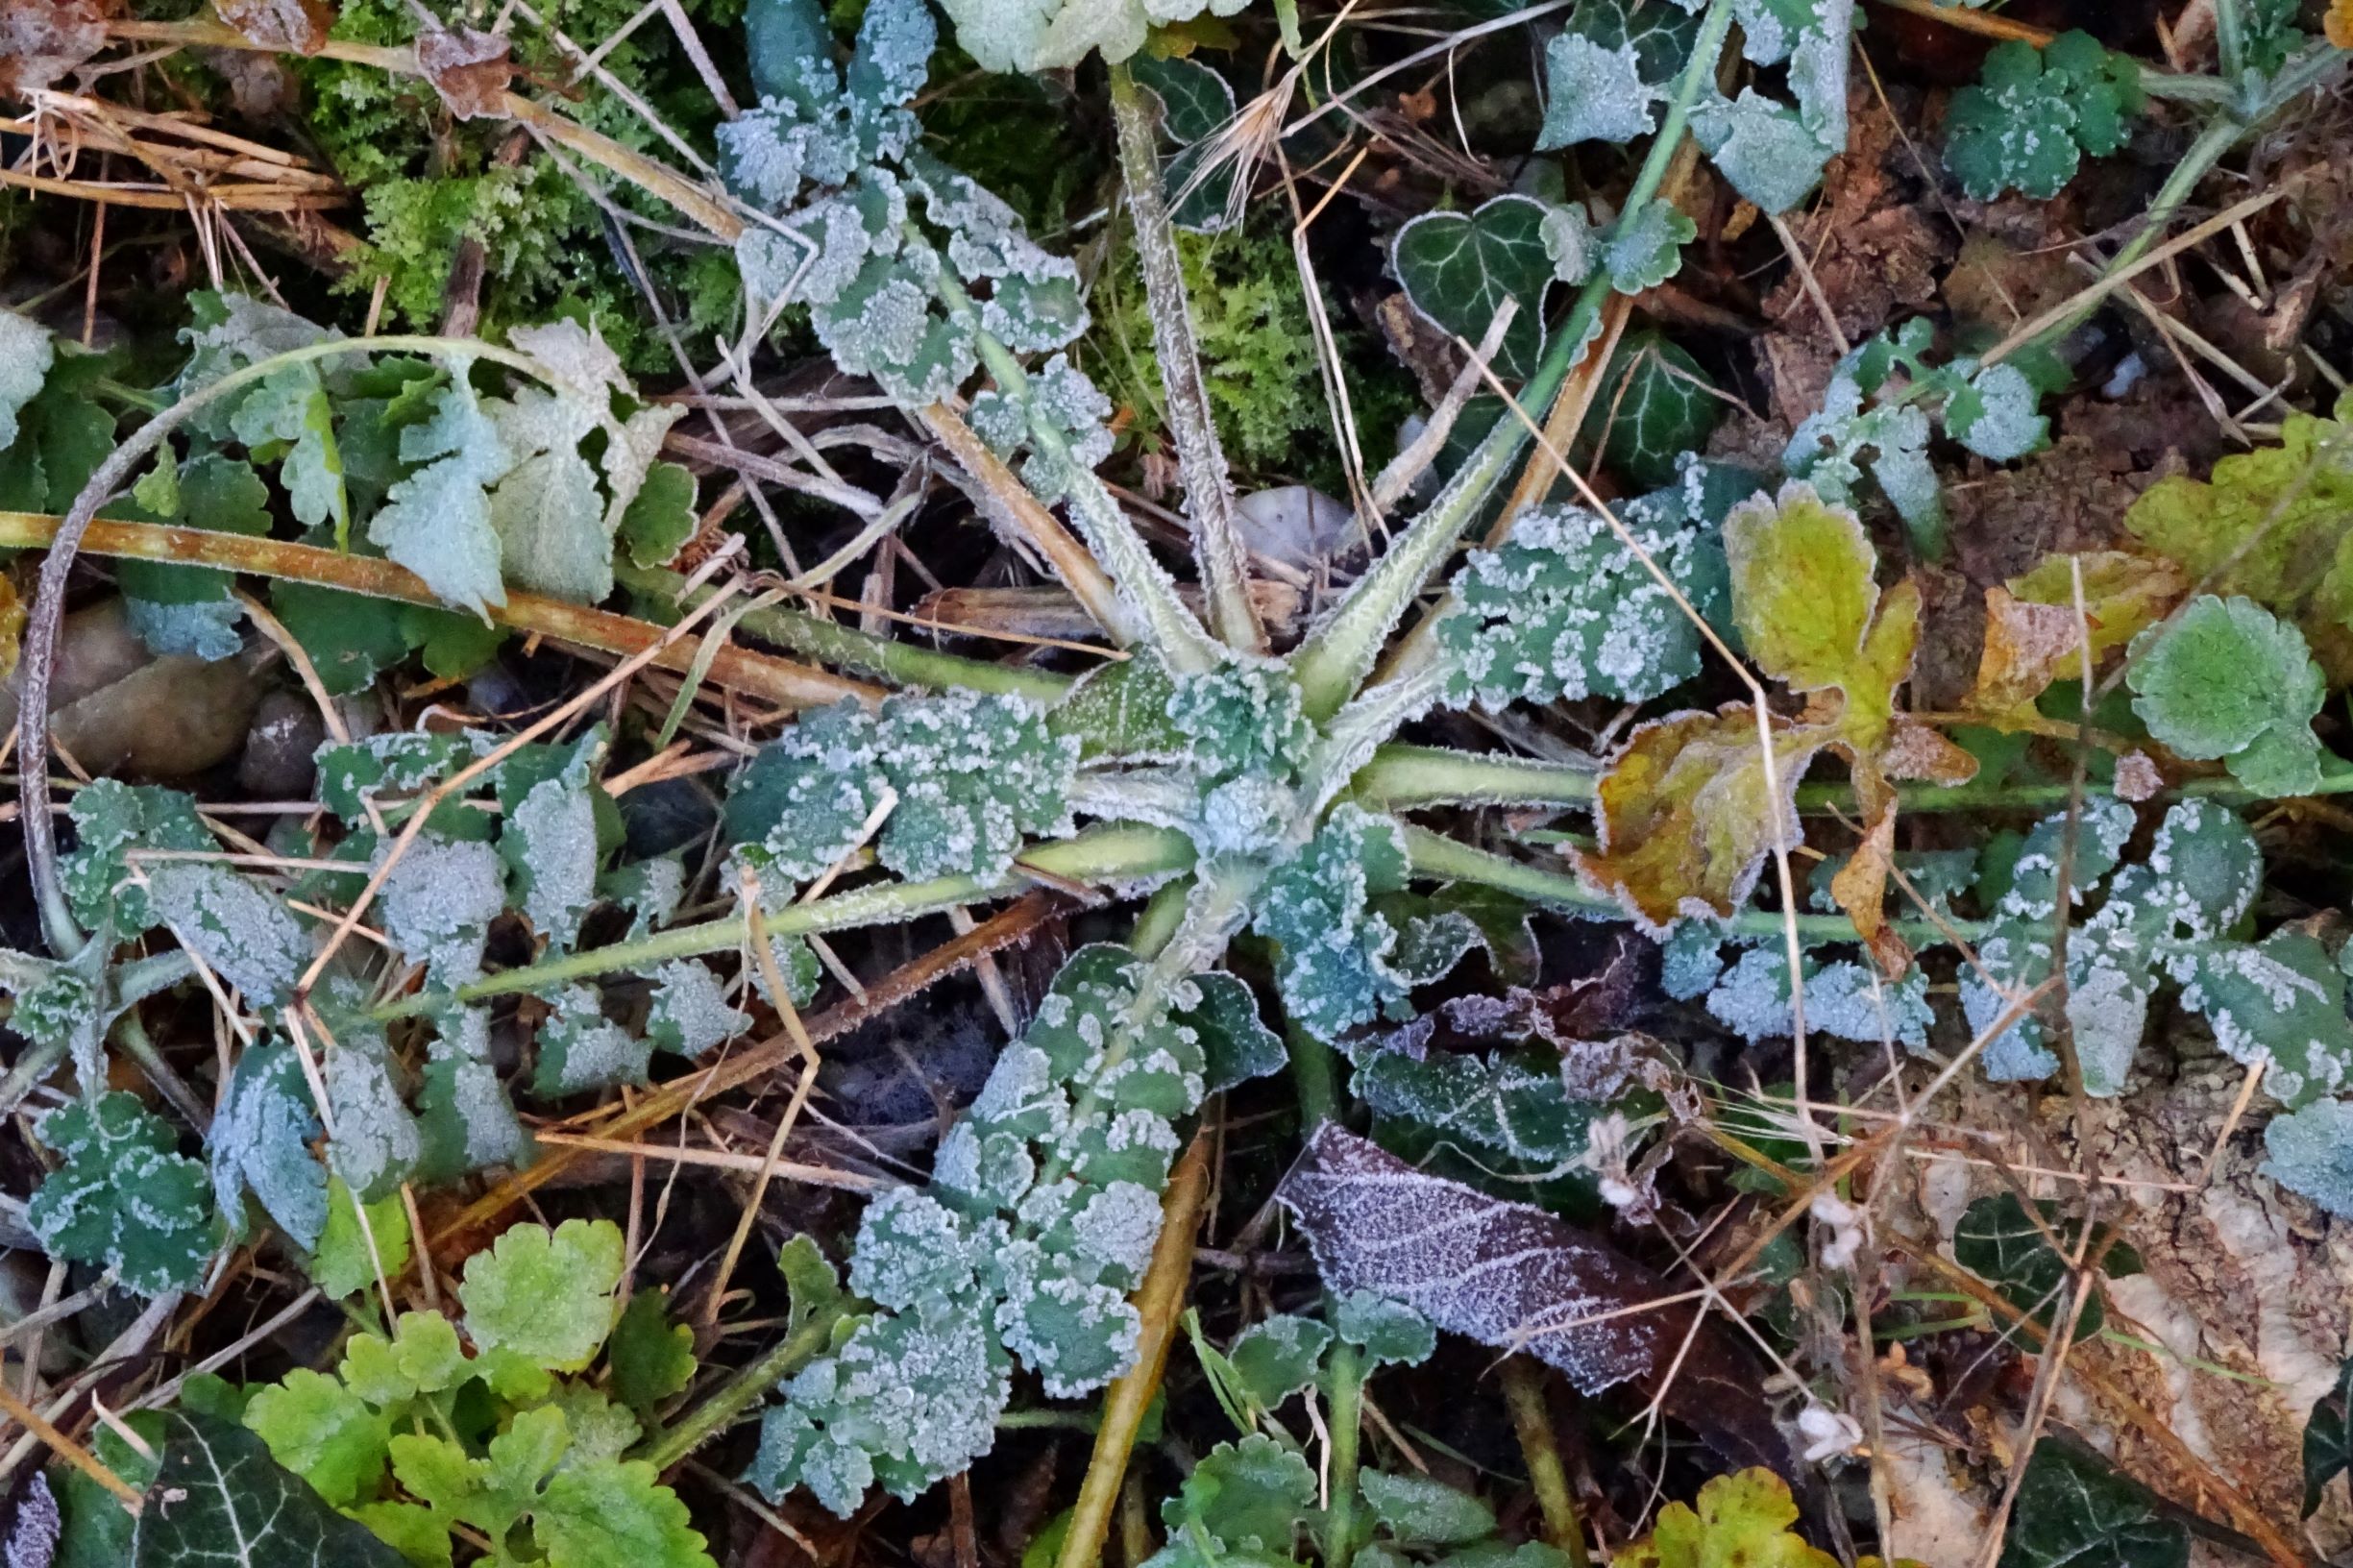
[2311, 1152]
[1753, 999]
[112, 820]
[581, 1048]
[1597, 92]
[26, 354]
[437, 903]
[2226, 678]
[238, 927]
[2035, 111]
[260, 1142]
[436, 521]
[689, 1011]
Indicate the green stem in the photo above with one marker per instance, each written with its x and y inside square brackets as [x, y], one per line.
[2230, 40]
[1524, 1396]
[1815, 799]
[1103, 854]
[845, 648]
[1403, 777]
[741, 1392]
[1344, 1380]
[1440, 858]
[1332, 663]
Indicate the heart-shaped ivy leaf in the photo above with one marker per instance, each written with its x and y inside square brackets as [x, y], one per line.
[1458, 269]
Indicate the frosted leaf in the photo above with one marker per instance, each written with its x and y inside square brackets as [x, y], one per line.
[581, 1048]
[1597, 93]
[111, 819]
[802, 801]
[1061, 399]
[549, 841]
[1458, 269]
[974, 772]
[1278, 1356]
[206, 629]
[2203, 870]
[1514, 1277]
[650, 890]
[437, 904]
[2281, 999]
[1646, 248]
[1570, 240]
[1765, 150]
[375, 1142]
[1341, 958]
[1115, 1229]
[291, 405]
[1075, 1333]
[1243, 719]
[909, 1398]
[1038, 304]
[2226, 678]
[1564, 610]
[1832, 447]
[690, 1013]
[2017, 958]
[399, 762]
[1422, 1511]
[229, 332]
[26, 354]
[1385, 1329]
[121, 1197]
[1512, 1102]
[2098, 842]
[234, 924]
[1997, 413]
[260, 1141]
[574, 357]
[465, 1117]
[1690, 958]
[2312, 1152]
[436, 521]
[1753, 999]
[550, 523]
[991, 1170]
[909, 1246]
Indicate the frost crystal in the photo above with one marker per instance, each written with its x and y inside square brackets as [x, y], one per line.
[690, 1013]
[375, 1142]
[234, 924]
[1598, 93]
[438, 901]
[581, 1048]
[1753, 999]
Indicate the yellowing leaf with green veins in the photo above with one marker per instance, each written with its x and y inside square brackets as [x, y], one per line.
[1738, 1520]
[2269, 524]
[546, 1295]
[1810, 613]
[1684, 814]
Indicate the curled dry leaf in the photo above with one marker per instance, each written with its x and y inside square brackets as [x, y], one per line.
[1861, 889]
[468, 68]
[2030, 635]
[42, 40]
[1512, 1276]
[296, 26]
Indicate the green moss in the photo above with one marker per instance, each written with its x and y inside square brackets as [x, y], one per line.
[1258, 349]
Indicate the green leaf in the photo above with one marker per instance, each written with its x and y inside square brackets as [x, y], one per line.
[799, 805]
[98, 1528]
[436, 522]
[2328, 1438]
[218, 494]
[1420, 1510]
[112, 819]
[1385, 1329]
[546, 1295]
[233, 1506]
[1121, 712]
[2311, 1152]
[1278, 1356]
[652, 1357]
[350, 638]
[423, 1357]
[615, 1511]
[1458, 270]
[26, 354]
[1253, 1493]
[1594, 91]
[660, 518]
[122, 1198]
[1743, 1518]
[1235, 1045]
[2280, 1001]
[1998, 1242]
[1645, 248]
[1654, 408]
[260, 1141]
[324, 1432]
[343, 1263]
[974, 772]
[1512, 1102]
[2075, 1511]
[2034, 112]
[2229, 679]
[289, 412]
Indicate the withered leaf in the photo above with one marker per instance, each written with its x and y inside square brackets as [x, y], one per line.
[1514, 1277]
[468, 68]
[2122, 593]
[1684, 814]
[1861, 889]
[42, 40]
[296, 26]
[2027, 645]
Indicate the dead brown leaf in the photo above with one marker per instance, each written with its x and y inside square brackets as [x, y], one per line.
[288, 26]
[2027, 645]
[42, 40]
[1860, 888]
[468, 68]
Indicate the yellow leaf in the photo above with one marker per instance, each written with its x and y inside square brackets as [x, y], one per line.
[2338, 23]
[1740, 1521]
[2121, 592]
[1684, 814]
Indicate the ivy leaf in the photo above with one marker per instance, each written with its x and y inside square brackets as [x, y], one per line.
[1278, 1356]
[1458, 269]
[436, 522]
[2034, 112]
[1196, 104]
[546, 1295]
[2268, 526]
[2229, 679]
[1514, 1277]
[1424, 1511]
[2328, 1438]
[2075, 1511]
[123, 1198]
[1743, 1518]
[652, 1357]
[2000, 1243]
[1595, 92]
[232, 1504]
[343, 1263]
[1654, 408]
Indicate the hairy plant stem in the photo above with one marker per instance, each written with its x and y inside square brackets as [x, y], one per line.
[1333, 662]
[746, 1389]
[1344, 1383]
[1523, 1378]
[845, 648]
[1403, 777]
[1098, 855]
[1192, 428]
[1440, 858]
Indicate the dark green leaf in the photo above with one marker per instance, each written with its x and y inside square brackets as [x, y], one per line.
[2328, 1438]
[2000, 1241]
[221, 1500]
[1459, 269]
[2075, 1511]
